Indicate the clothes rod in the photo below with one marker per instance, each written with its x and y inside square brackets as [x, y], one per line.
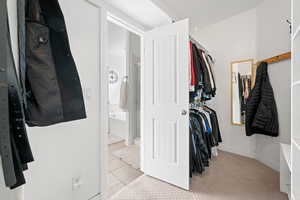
[278, 58]
[199, 46]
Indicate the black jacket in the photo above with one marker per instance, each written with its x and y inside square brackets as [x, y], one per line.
[199, 73]
[50, 79]
[261, 110]
[15, 150]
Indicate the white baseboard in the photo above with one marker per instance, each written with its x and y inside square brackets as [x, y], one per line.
[231, 150]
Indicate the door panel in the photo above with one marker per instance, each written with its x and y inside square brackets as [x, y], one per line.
[166, 101]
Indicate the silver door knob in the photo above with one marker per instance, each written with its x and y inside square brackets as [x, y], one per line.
[183, 112]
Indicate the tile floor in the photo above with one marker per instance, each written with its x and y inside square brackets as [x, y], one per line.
[112, 139]
[121, 173]
[130, 155]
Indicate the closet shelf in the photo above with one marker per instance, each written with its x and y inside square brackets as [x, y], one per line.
[286, 151]
[296, 33]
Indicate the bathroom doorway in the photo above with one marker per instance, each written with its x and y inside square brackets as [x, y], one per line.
[124, 69]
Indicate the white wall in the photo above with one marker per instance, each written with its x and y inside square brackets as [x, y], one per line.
[124, 54]
[117, 61]
[117, 38]
[273, 38]
[134, 85]
[69, 150]
[230, 40]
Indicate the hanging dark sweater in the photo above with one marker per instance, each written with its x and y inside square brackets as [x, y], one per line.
[261, 110]
[15, 150]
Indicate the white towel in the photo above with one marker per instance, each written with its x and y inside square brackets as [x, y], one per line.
[124, 94]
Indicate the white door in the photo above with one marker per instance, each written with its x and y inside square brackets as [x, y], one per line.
[166, 104]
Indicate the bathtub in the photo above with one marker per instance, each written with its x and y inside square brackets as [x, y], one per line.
[118, 125]
[117, 115]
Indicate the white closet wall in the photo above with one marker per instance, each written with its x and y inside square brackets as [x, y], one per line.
[273, 38]
[296, 101]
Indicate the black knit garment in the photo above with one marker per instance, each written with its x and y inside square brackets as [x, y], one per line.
[261, 110]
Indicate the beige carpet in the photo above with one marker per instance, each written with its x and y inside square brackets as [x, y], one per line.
[230, 177]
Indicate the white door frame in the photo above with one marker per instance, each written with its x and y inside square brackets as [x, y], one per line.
[103, 96]
[111, 17]
[107, 11]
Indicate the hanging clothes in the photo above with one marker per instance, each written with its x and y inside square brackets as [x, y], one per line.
[205, 136]
[15, 150]
[202, 77]
[210, 80]
[244, 84]
[50, 81]
[261, 109]
[193, 67]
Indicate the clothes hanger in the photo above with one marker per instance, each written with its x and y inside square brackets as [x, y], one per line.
[202, 48]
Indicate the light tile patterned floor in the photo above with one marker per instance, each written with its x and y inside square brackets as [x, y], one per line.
[120, 172]
[229, 177]
[112, 139]
[130, 155]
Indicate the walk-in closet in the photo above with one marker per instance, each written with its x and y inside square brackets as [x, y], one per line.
[149, 100]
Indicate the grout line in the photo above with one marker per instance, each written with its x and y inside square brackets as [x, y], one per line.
[124, 164]
[118, 179]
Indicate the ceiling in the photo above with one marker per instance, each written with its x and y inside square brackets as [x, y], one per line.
[144, 11]
[205, 12]
[153, 13]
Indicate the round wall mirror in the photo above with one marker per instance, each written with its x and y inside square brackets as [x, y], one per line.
[113, 77]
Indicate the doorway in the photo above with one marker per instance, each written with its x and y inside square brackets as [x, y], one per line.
[124, 69]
